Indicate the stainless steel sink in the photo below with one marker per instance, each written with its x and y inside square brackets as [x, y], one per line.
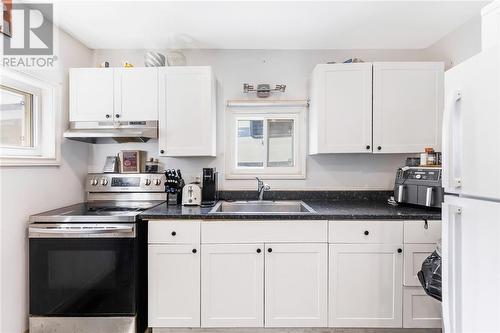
[261, 207]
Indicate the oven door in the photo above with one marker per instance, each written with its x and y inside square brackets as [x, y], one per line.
[82, 269]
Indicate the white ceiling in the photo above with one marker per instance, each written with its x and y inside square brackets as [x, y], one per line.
[263, 25]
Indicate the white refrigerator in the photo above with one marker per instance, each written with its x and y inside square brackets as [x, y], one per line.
[471, 209]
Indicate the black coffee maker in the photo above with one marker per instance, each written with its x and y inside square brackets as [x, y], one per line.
[209, 190]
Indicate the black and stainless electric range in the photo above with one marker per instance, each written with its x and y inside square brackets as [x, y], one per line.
[87, 262]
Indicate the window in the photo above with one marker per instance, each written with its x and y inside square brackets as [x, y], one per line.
[266, 142]
[29, 113]
[16, 114]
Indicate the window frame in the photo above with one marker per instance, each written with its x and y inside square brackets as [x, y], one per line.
[45, 122]
[255, 112]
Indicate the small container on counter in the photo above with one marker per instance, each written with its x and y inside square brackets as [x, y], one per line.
[429, 157]
[423, 159]
[152, 166]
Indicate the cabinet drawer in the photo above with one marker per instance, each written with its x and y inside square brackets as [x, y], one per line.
[174, 231]
[230, 231]
[366, 232]
[415, 255]
[419, 232]
[420, 310]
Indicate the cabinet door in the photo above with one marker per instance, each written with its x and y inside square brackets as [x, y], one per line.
[366, 283]
[415, 255]
[420, 310]
[341, 109]
[187, 111]
[91, 94]
[407, 106]
[173, 286]
[136, 94]
[232, 285]
[296, 285]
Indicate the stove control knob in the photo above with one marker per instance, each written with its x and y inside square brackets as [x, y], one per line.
[104, 181]
[94, 182]
[148, 182]
[157, 182]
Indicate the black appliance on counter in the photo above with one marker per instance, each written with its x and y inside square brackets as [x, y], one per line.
[209, 191]
[419, 186]
[88, 262]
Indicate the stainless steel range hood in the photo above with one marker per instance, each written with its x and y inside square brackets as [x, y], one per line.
[123, 131]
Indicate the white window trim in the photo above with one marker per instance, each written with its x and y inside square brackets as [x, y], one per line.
[297, 113]
[46, 121]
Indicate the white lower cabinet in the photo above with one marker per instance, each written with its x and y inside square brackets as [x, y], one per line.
[415, 255]
[290, 274]
[232, 284]
[366, 284]
[420, 310]
[174, 285]
[296, 287]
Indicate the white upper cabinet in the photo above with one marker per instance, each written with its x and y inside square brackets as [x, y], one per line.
[407, 106]
[376, 107]
[91, 94]
[340, 118]
[113, 94]
[187, 111]
[136, 94]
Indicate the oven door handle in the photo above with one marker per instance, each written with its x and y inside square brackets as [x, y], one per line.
[113, 231]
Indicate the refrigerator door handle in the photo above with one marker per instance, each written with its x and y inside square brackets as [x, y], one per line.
[451, 283]
[451, 144]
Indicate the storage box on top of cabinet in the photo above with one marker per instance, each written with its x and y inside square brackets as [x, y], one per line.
[187, 124]
[113, 94]
[381, 107]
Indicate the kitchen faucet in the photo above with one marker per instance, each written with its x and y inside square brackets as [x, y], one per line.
[261, 188]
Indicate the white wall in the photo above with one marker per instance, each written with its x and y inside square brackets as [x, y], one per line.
[459, 45]
[291, 67]
[29, 190]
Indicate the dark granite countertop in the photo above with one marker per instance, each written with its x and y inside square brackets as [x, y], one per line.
[340, 209]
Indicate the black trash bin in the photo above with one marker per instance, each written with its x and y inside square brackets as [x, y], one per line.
[430, 274]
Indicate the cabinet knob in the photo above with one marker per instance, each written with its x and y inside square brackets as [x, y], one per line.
[400, 250]
[117, 115]
[269, 250]
[174, 233]
[368, 147]
[107, 116]
[379, 147]
[258, 250]
[366, 232]
[162, 151]
[194, 251]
